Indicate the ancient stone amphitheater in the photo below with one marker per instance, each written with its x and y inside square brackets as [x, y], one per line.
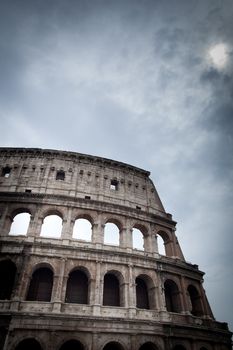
[80, 266]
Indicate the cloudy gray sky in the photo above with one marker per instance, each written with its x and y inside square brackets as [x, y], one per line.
[145, 82]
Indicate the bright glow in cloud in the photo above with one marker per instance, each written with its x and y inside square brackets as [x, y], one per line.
[219, 55]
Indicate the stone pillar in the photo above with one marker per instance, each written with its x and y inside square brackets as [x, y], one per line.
[154, 243]
[126, 238]
[21, 281]
[125, 292]
[148, 244]
[3, 221]
[98, 297]
[131, 292]
[67, 226]
[161, 294]
[34, 228]
[38, 225]
[58, 287]
[63, 288]
[98, 233]
[184, 296]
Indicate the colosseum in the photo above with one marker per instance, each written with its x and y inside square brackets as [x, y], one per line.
[80, 265]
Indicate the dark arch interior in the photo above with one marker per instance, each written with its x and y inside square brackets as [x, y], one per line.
[111, 295]
[77, 288]
[142, 294]
[72, 345]
[7, 276]
[148, 346]
[172, 296]
[179, 347]
[195, 301]
[113, 346]
[28, 344]
[41, 285]
[60, 175]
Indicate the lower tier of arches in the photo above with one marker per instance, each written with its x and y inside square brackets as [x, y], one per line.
[56, 333]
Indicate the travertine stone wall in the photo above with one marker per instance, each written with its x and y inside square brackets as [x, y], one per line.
[102, 191]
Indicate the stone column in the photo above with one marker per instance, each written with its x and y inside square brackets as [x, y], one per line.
[67, 227]
[58, 286]
[98, 233]
[184, 295]
[21, 281]
[161, 293]
[34, 228]
[131, 292]
[126, 238]
[4, 228]
[98, 297]
[154, 243]
[148, 244]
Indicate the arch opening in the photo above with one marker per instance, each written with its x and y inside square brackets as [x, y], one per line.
[60, 175]
[72, 344]
[7, 278]
[172, 296]
[82, 229]
[51, 227]
[161, 245]
[138, 239]
[111, 234]
[113, 346]
[111, 295]
[20, 224]
[6, 171]
[195, 301]
[77, 288]
[142, 297]
[41, 285]
[28, 344]
[148, 346]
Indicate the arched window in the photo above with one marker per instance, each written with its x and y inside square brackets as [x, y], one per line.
[82, 229]
[7, 278]
[52, 226]
[72, 345]
[113, 346]
[138, 239]
[172, 296]
[41, 285]
[77, 288]
[142, 294]
[161, 247]
[28, 344]
[148, 346]
[20, 224]
[111, 295]
[60, 175]
[195, 300]
[111, 234]
[6, 171]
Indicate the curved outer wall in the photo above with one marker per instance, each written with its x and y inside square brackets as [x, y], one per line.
[160, 302]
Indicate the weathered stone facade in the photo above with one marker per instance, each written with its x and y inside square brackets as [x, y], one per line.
[69, 293]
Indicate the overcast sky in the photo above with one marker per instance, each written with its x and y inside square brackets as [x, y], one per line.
[146, 82]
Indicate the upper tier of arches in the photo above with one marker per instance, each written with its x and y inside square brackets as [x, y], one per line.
[90, 226]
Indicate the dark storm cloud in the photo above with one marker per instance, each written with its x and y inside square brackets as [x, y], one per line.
[133, 81]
